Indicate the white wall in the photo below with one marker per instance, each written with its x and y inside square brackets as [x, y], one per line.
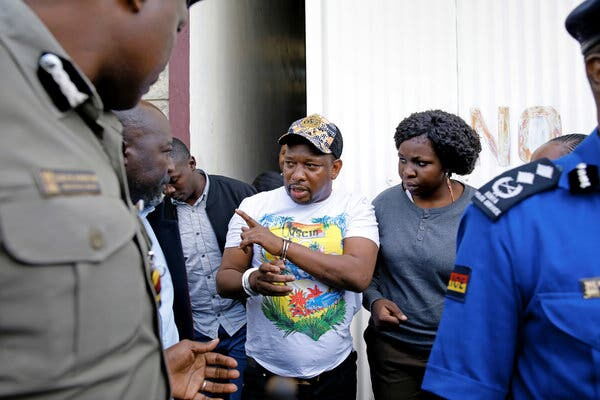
[370, 63]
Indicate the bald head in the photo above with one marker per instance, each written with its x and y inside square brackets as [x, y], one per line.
[147, 145]
[140, 119]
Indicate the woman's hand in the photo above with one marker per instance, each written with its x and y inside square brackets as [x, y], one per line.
[386, 314]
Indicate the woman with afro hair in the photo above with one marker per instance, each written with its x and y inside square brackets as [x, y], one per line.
[418, 224]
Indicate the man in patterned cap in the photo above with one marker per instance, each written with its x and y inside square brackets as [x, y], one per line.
[312, 250]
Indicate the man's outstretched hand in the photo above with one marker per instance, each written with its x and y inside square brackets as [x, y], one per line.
[192, 364]
[255, 233]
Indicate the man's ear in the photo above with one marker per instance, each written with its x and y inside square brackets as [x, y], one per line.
[336, 167]
[592, 66]
[192, 163]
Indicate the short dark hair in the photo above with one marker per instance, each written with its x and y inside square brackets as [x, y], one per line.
[180, 151]
[455, 143]
[571, 140]
[268, 181]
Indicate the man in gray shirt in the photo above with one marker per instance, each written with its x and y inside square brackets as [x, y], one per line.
[191, 226]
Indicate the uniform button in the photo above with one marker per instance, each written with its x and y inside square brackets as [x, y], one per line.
[209, 277]
[214, 296]
[197, 233]
[203, 255]
[96, 239]
[421, 228]
[219, 314]
[420, 237]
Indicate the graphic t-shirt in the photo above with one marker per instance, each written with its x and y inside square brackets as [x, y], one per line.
[308, 331]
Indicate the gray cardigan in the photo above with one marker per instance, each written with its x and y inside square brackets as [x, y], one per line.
[416, 256]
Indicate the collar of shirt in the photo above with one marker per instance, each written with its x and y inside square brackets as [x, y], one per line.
[147, 210]
[17, 20]
[587, 152]
[204, 195]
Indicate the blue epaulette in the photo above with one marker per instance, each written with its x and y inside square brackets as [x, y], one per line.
[504, 191]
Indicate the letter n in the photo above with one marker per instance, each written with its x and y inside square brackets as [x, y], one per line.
[500, 148]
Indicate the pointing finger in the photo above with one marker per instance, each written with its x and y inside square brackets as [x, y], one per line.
[251, 223]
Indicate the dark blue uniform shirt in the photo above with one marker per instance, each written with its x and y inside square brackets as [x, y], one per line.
[524, 329]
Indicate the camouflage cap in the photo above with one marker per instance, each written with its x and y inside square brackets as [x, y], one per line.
[319, 132]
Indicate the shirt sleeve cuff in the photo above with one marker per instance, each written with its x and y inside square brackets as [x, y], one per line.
[370, 296]
[450, 385]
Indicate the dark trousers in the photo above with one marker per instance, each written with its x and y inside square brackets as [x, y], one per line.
[336, 384]
[396, 370]
[232, 346]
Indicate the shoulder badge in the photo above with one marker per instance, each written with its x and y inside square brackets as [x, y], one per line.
[508, 189]
[459, 283]
[584, 179]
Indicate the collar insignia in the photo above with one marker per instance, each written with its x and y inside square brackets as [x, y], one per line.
[514, 186]
[590, 288]
[584, 179]
[62, 82]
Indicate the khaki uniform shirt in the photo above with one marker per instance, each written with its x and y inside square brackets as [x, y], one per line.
[78, 318]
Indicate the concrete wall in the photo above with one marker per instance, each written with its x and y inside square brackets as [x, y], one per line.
[159, 92]
[247, 82]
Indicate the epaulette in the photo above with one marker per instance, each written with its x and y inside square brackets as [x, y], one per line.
[504, 191]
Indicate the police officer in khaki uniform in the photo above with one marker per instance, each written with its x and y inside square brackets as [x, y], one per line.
[78, 317]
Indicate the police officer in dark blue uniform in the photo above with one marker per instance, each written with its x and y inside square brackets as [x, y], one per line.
[522, 318]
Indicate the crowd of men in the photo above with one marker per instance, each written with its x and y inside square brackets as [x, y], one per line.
[110, 290]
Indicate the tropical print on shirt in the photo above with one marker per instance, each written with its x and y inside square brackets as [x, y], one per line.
[307, 332]
[312, 308]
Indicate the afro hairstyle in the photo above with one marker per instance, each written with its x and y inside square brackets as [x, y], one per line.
[455, 143]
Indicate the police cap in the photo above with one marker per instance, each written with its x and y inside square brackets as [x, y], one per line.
[582, 23]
